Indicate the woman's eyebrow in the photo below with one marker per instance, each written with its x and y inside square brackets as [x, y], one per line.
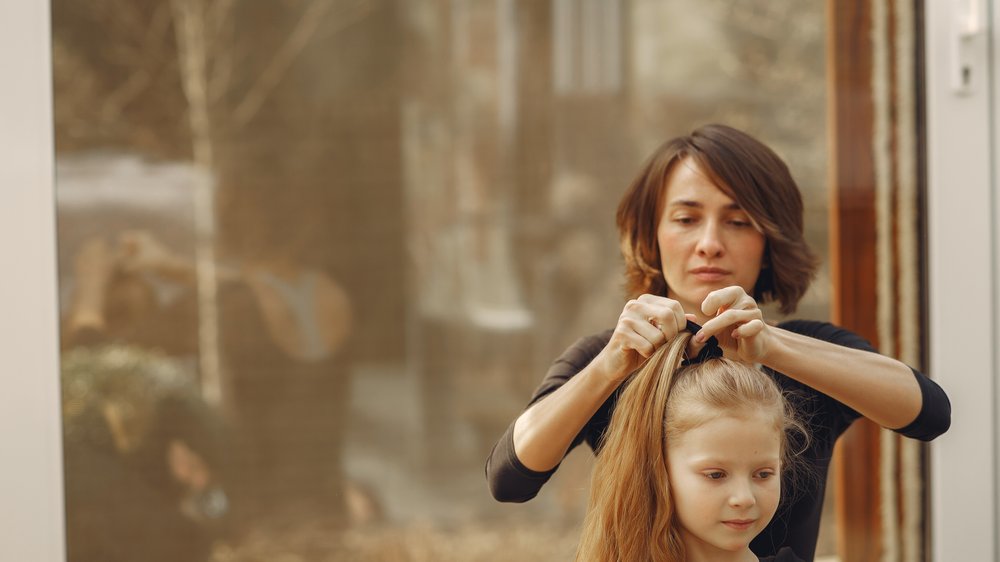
[685, 203]
[698, 205]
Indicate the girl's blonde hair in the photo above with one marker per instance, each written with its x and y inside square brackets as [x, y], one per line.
[630, 515]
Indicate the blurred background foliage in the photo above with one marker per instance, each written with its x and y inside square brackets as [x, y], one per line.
[444, 173]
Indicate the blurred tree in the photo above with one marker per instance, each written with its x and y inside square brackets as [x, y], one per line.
[301, 90]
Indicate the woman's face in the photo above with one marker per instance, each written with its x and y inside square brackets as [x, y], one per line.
[725, 482]
[706, 240]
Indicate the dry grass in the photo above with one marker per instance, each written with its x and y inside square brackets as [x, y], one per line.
[411, 543]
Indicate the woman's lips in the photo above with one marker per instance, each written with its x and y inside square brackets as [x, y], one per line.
[709, 273]
[739, 524]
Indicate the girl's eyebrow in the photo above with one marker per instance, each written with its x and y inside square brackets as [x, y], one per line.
[718, 461]
[711, 460]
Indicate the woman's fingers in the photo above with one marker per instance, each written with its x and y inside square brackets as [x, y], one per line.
[639, 319]
[664, 312]
[724, 299]
[648, 322]
[728, 318]
[736, 322]
[639, 343]
[750, 329]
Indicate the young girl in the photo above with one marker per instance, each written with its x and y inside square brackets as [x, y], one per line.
[691, 466]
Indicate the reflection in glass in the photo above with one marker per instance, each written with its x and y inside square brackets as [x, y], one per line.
[315, 255]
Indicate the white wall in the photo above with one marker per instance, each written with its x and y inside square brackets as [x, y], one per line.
[31, 499]
[964, 256]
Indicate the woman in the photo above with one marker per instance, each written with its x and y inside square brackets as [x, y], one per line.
[710, 228]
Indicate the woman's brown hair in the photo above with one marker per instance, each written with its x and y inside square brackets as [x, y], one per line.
[747, 171]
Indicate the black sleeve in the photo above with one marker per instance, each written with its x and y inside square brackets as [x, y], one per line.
[509, 480]
[934, 417]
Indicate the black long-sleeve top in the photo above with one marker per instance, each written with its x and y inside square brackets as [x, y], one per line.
[796, 524]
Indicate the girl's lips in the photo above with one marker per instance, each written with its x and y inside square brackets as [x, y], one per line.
[739, 525]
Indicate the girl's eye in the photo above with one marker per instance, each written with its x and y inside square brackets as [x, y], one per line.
[765, 474]
[684, 220]
[716, 475]
[740, 223]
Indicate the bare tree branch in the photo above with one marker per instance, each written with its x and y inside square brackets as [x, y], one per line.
[113, 104]
[219, 14]
[141, 78]
[221, 23]
[189, 25]
[121, 17]
[159, 26]
[268, 80]
[193, 56]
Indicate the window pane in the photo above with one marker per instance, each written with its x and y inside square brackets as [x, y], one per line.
[316, 255]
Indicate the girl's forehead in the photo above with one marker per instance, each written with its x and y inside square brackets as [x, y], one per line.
[693, 416]
[729, 438]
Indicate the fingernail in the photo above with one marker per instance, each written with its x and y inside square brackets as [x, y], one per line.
[699, 337]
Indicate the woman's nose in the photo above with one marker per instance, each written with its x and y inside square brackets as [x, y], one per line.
[709, 241]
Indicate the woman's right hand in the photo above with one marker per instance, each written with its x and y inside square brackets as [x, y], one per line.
[545, 431]
[645, 324]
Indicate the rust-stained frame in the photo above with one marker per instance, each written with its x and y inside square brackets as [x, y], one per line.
[852, 257]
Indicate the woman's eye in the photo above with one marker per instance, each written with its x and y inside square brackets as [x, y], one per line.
[740, 223]
[684, 220]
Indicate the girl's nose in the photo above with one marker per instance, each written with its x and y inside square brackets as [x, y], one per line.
[742, 496]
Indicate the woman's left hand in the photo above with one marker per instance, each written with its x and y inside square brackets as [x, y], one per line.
[737, 322]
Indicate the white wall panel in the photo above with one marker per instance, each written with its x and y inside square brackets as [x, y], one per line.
[31, 499]
[963, 258]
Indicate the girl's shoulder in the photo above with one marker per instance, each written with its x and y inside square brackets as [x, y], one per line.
[786, 554]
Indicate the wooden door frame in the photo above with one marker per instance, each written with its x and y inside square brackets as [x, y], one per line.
[852, 258]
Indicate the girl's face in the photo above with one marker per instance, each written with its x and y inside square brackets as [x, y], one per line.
[706, 240]
[725, 482]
